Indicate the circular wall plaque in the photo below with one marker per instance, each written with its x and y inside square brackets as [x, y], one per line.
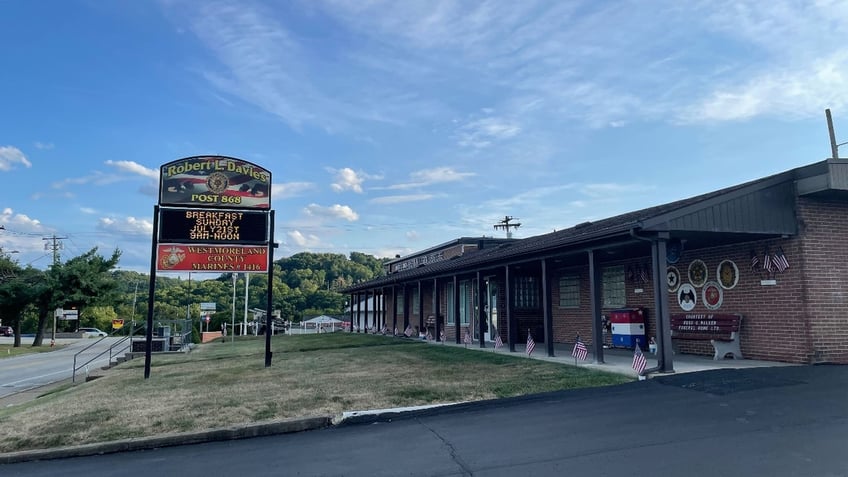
[687, 297]
[712, 295]
[672, 279]
[727, 274]
[698, 273]
[673, 250]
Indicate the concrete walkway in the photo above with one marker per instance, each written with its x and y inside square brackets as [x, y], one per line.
[619, 360]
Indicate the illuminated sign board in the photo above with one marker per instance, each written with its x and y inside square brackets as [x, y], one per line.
[213, 226]
[214, 181]
[211, 258]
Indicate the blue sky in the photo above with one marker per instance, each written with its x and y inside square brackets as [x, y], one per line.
[393, 126]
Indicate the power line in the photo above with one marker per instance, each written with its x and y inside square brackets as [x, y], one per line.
[54, 247]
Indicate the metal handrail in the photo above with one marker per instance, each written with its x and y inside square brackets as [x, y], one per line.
[109, 350]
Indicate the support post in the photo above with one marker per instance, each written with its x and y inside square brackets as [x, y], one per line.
[596, 306]
[547, 315]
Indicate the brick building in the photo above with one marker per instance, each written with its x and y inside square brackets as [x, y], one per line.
[769, 250]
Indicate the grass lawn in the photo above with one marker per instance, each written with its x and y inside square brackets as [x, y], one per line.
[7, 350]
[223, 383]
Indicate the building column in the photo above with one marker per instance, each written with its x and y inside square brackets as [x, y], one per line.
[394, 309]
[437, 309]
[358, 311]
[660, 267]
[481, 312]
[595, 280]
[365, 327]
[456, 329]
[420, 306]
[511, 322]
[547, 307]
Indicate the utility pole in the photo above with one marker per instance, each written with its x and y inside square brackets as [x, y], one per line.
[506, 225]
[834, 148]
[55, 246]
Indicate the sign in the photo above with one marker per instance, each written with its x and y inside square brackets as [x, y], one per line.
[211, 258]
[213, 226]
[214, 181]
[69, 315]
[208, 306]
[117, 324]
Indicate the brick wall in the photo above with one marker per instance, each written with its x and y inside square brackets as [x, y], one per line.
[824, 228]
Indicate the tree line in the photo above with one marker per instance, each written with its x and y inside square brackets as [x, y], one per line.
[305, 284]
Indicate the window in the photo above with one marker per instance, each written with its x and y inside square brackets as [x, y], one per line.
[466, 301]
[399, 302]
[569, 291]
[451, 318]
[415, 301]
[526, 293]
[613, 287]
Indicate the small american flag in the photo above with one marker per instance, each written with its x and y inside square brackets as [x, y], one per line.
[443, 336]
[429, 336]
[467, 338]
[780, 261]
[530, 343]
[755, 260]
[498, 341]
[396, 331]
[580, 352]
[767, 265]
[639, 361]
[408, 331]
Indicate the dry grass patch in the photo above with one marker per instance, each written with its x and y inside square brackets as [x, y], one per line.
[223, 383]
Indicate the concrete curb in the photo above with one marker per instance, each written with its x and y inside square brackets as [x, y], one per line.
[169, 440]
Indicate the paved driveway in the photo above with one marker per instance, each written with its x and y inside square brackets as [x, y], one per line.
[788, 421]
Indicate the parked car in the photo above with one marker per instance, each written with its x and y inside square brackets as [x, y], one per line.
[6, 331]
[92, 333]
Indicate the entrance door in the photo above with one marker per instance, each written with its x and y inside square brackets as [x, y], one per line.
[491, 310]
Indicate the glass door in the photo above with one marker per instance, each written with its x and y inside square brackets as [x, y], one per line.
[491, 310]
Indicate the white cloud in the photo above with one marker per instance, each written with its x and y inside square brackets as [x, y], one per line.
[412, 235]
[347, 179]
[10, 156]
[88, 210]
[96, 178]
[43, 145]
[336, 211]
[19, 221]
[304, 241]
[290, 189]
[134, 168]
[127, 225]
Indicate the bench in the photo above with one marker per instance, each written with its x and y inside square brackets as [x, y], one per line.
[722, 330]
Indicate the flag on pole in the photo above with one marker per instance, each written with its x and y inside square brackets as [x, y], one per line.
[780, 261]
[408, 331]
[579, 352]
[498, 341]
[467, 338]
[530, 343]
[429, 336]
[755, 260]
[443, 336]
[639, 361]
[396, 331]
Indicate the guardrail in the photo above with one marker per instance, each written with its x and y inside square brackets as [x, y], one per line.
[115, 349]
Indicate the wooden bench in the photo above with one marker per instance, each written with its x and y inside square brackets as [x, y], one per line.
[721, 329]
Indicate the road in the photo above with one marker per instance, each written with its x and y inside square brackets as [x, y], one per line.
[20, 373]
[789, 421]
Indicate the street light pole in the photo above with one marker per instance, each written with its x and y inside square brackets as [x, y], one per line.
[233, 329]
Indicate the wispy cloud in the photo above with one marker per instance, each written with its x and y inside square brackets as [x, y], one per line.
[134, 168]
[304, 240]
[483, 132]
[399, 199]
[45, 146]
[10, 156]
[127, 225]
[290, 189]
[425, 177]
[335, 211]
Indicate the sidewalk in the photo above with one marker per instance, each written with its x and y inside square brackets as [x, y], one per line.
[619, 360]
